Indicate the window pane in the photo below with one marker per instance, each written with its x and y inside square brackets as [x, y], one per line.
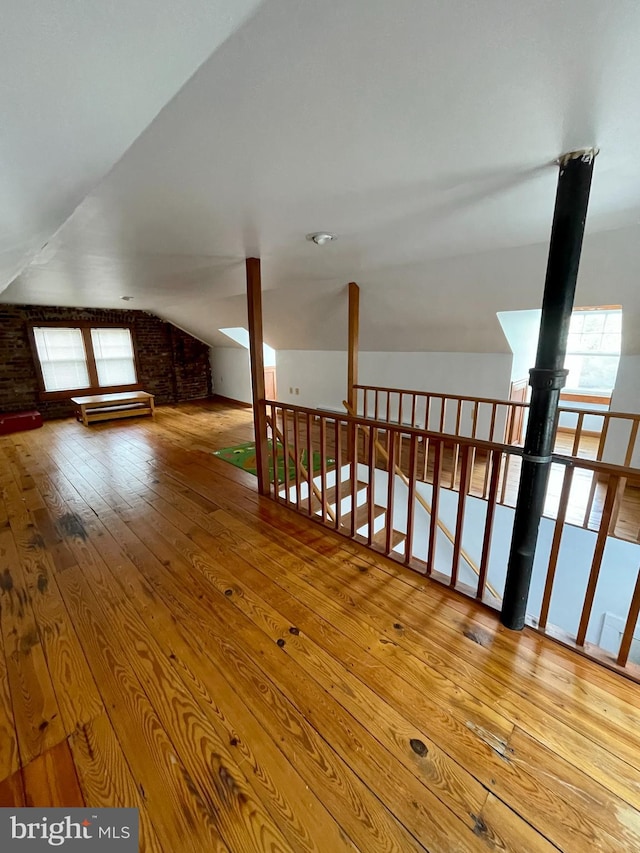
[613, 322]
[610, 344]
[113, 350]
[62, 358]
[577, 320]
[573, 343]
[590, 342]
[593, 322]
[599, 372]
[573, 363]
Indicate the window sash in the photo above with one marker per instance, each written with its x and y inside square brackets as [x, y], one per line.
[114, 357]
[62, 365]
[89, 358]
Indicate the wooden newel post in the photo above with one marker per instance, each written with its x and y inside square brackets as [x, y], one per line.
[548, 376]
[256, 351]
[352, 361]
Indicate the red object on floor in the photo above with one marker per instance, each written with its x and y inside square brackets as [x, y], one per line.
[19, 421]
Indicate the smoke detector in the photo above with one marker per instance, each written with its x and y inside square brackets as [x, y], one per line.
[320, 238]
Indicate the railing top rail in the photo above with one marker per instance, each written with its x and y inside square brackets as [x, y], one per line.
[409, 392]
[491, 400]
[600, 467]
[405, 429]
[464, 441]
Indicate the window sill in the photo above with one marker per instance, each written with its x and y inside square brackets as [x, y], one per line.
[603, 398]
[51, 396]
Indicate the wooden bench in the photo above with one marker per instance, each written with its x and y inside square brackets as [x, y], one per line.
[104, 407]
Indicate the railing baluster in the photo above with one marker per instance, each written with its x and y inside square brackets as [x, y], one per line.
[323, 467]
[555, 546]
[507, 424]
[494, 409]
[465, 475]
[630, 626]
[631, 445]
[601, 541]
[454, 467]
[413, 410]
[376, 401]
[388, 406]
[594, 476]
[493, 462]
[435, 503]
[505, 477]
[354, 479]
[391, 482]
[296, 450]
[371, 494]
[408, 551]
[337, 447]
[274, 452]
[427, 414]
[603, 436]
[309, 467]
[285, 455]
[576, 441]
[443, 413]
[425, 452]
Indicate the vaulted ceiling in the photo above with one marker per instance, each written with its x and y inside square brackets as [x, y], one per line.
[149, 151]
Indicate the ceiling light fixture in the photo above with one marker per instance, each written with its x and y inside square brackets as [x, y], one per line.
[126, 298]
[320, 238]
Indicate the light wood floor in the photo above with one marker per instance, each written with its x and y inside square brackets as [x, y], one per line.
[252, 682]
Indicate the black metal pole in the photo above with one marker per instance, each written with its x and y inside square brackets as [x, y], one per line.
[548, 377]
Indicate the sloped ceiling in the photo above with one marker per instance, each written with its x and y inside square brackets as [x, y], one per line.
[421, 132]
[79, 81]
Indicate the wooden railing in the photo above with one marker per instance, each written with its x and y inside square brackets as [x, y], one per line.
[597, 434]
[590, 433]
[440, 504]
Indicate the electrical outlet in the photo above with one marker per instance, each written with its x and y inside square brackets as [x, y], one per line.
[297, 391]
[291, 389]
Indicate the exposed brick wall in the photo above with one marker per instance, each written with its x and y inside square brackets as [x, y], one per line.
[172, 365]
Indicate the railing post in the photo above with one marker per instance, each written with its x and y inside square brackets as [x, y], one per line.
[353, 344]
[352, 369]
[548, 376]
[254, 312]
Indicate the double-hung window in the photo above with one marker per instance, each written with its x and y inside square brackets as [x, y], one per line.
[77, 358]
[593, 350]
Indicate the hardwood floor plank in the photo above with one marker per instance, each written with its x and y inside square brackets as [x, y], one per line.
[73, 683]
[310, 755]
[354, 704]
[106, 779]
[38, 724]
[459, 789]
[12, 791]
[271, 774]
[175, 806]
[50, 780]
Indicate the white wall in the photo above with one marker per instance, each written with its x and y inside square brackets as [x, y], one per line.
[473, 374]
[625, 398]
[322, 376]
[231, 373]
[521, 329]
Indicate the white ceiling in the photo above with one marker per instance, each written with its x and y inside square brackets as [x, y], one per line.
[79, 81]
[421, 132]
